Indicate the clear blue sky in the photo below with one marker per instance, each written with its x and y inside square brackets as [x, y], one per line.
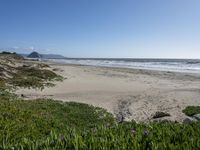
[102, 28]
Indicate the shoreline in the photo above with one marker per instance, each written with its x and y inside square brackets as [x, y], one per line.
[150, 67]
[122, 68]
[177, 75]
[135, 93]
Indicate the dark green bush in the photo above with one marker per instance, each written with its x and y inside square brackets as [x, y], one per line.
[192, 110]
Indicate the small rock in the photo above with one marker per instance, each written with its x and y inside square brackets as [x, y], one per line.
[197, 117]
[120, 118]
[23, 96]
[189, 120]
[160, 114]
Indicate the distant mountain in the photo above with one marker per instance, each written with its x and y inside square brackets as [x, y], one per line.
[52, 56]
[34, 55]
[44, 56]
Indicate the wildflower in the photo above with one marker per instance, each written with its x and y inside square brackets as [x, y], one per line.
[133, 131]
[146, 133]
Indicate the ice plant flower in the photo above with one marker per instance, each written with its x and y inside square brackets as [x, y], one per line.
[146, 133]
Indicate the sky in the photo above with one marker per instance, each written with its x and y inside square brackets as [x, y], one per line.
[102, 28]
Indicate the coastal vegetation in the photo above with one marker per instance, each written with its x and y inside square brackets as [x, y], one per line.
[32, 77]
[50, 124]
[17, 74]
[192, 110]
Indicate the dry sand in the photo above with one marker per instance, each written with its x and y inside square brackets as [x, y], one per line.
[136, 94]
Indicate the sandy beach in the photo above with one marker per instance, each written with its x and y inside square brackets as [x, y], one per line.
[136, 94]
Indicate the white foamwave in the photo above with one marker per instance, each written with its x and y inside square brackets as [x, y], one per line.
[179, 66]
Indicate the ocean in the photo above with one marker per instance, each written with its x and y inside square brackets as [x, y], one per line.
[176, 65]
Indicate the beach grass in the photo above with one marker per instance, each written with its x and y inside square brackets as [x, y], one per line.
[33, 77]
[9, 55]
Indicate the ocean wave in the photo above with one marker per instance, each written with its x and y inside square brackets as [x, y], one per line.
[177, 65]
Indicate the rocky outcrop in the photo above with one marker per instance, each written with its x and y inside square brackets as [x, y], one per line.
[192, 119]
[34, 55]
[197, 117]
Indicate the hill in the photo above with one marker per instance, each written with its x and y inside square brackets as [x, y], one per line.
[34, 55]
[44, 56]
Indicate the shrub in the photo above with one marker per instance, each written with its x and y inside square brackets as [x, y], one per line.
[192, 110]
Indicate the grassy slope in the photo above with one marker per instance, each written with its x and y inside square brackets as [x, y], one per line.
[32, 77]
[48, 124]
[57, 125]
[35, 119]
